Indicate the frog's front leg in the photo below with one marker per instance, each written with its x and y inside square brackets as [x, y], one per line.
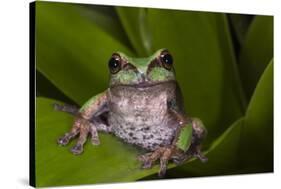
[84, 123]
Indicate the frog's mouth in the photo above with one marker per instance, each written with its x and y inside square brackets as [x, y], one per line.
[146, 84]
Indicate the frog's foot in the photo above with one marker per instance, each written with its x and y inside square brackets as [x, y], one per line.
[199, 155]
[180, 158]
[164, 154]
[82, 127]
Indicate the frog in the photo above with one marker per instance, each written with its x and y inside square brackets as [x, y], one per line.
[143, 106]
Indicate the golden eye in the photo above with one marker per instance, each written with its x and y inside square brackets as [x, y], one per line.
[166, 60]
[114, 64]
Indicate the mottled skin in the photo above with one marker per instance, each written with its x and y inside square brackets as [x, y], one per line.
[143, 106]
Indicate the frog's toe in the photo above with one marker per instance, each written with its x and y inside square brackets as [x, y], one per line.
[146, 160]
[95, 141]
[164, 154]
[164, 158]
[181, 157]
[147, 164]
[179, 160]
[62, 141]
[201, 157]
[77, 149]
[94, 135]
[144, 157]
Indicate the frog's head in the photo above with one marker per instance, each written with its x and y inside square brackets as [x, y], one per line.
[141, 72]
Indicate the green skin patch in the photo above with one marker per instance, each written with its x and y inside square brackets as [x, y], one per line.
[161, 74]
[125, 77]
[184, 138]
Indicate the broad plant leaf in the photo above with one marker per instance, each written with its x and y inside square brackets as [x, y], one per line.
[134, 21]
[257, 134]
[240, 24]
[204, 62]
[256, 52]
[112, 160]
[71, 51]
[44, 88]
[106, 18]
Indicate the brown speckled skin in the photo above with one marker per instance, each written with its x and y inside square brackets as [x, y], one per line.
[141, 116]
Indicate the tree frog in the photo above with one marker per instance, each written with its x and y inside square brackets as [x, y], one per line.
[143, 106]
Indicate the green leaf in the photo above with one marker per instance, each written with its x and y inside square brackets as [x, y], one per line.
[44, 88]
[134, 21]
[72, 51]
[106, 18]
[257, 133]
[256, 52]
[204, 62]
[240, 24]
[111, 161]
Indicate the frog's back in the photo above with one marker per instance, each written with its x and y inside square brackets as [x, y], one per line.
[140, 115]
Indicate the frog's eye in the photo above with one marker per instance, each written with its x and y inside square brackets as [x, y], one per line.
[114, 64]
[166, 60]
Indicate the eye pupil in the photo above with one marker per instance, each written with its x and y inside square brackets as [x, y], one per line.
[167, 60]
[114, 65]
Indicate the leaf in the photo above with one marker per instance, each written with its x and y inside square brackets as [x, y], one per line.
[72, 51]
[257, 133]
[44, 88]
[106, 18]
[111, 161]
[256, 52]
[240, 24]
[134, 21]
[204, 63]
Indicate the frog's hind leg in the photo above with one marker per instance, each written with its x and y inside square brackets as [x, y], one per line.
[72, 109]
[199, 132]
